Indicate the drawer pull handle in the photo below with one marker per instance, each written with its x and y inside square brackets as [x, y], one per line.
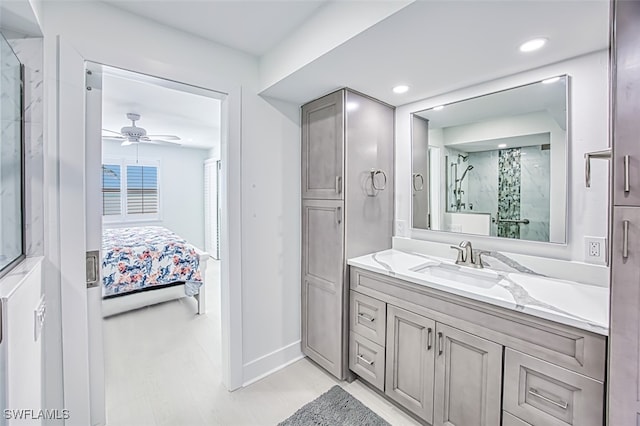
[626, 174]
[363, 359]
[625, 239]
[429, 338]
[338, 187]
[534, 392]
[366, 317]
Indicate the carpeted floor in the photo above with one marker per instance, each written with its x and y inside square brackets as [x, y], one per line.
[335, 407]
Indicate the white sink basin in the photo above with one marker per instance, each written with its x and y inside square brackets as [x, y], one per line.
[460, 274]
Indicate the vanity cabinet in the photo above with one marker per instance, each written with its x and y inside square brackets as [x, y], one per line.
[347, 211]
[410, 361]
[453, 361]
[468, 379]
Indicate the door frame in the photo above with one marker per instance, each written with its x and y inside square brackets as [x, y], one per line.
[67, 209]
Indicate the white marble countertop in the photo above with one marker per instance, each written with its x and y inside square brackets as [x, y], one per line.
[571, 303]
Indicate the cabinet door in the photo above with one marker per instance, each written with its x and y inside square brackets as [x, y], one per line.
[624, 356]
[468, 379]
[410, 357]
[626, 104]
[323, 284]
[323, 147]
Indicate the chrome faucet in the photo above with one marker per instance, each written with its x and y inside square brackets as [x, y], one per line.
[466, 256]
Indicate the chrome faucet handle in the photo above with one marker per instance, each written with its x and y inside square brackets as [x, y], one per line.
[461, 257]
[478, 260]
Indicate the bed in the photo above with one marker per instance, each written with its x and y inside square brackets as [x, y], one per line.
[143, 266]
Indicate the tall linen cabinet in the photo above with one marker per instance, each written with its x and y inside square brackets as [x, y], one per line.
[347, 211]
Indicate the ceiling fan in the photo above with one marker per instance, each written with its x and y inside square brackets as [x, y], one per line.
[133, 134]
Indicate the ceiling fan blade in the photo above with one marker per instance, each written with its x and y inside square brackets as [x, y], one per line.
[160, 142]
[165, 137]
[114, 138]
[111, 131]
[127, 143]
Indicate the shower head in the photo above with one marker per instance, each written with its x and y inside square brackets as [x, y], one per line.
[464, 158]
[469, 167]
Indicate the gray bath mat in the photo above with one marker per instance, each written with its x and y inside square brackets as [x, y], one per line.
[334, 408]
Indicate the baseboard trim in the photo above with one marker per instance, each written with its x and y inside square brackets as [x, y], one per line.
[270, 363]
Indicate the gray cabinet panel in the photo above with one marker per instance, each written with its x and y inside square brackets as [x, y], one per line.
[366, 359]
[511, 420]
[323, 147]
[368, 317]
[323, 283]
[410, 358]
[626, 103]
[468, 379]
[322, 240]
[420, 169]
[369, 146]
[542, 393]
[624, 356]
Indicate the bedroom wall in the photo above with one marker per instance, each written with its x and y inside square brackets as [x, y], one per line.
[267, 139]
[181, 187]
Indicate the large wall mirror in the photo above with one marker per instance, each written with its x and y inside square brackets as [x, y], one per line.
[494, 165]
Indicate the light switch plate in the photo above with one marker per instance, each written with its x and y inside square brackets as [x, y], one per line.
[595, 250]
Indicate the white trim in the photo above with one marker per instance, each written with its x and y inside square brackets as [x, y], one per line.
[67, 259]
[270, 363]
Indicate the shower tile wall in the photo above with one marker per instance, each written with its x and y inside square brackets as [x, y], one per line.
[29, 52]
[509, 183]
[483, 184]
[535, 192]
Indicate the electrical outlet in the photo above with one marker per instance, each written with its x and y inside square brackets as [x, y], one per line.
[595, 250]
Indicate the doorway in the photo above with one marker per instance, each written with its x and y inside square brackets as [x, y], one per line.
[153, 202]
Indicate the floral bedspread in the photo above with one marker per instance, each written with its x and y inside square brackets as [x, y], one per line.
[141, 257]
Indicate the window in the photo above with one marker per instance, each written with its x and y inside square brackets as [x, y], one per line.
[111, 182]
[142, 190]
[130, 191]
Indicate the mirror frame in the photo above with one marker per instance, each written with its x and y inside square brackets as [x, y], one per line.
[566, 163]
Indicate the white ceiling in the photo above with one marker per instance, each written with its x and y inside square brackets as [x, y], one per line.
[436, 47]
[253, 26]
[192, 117]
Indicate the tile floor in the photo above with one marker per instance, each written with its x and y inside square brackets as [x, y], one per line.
[162, 367]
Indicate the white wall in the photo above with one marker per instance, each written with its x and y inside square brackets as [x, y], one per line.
[588, 131]
[263, 181]
[181, 183]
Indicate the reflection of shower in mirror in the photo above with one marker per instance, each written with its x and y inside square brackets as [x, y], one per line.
[458, 205]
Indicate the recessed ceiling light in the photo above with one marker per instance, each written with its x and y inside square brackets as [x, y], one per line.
[551, 80]
[532, 45]
[502, 145]
[400, 89]
[438, 108]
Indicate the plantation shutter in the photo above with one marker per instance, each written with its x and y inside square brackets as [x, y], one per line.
[142, 189]
[111, 194]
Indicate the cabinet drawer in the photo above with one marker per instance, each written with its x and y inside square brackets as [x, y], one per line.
[542, 393]
[511, 420]
[368, 317]
[366, 359]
